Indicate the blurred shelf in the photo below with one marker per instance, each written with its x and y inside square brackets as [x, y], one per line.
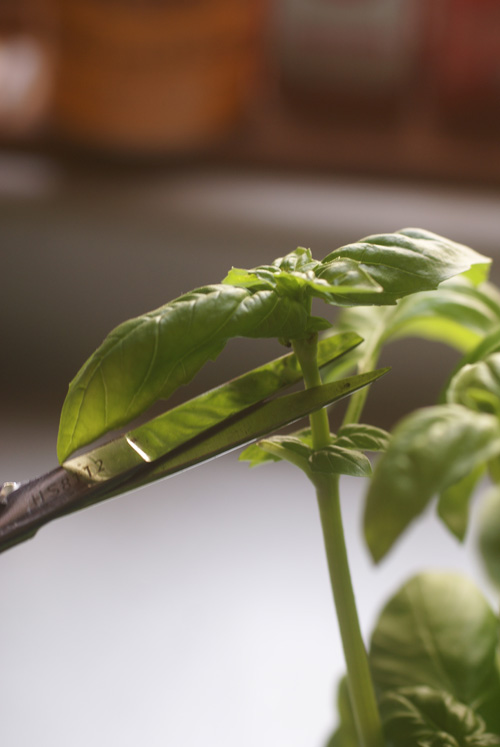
[414, 143]
[411, 142]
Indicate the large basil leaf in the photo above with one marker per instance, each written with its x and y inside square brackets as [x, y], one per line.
[416, 716]
[149, 357]
[188, 420]
[439, 631]
[430, 450]
[409, 261]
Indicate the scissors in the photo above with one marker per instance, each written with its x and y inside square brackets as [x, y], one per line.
[218, 421]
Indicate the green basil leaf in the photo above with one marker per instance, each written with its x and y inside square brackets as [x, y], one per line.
[453, 503]
[337, 460]
[489, 535]
[490, 343]
[210, 408]
[416, 716]
[148, 358]
[290, 448]
[494, 470]
[363, 437]
[345, 735]
[430, 450]
[438, 631]
[458, 314]
[255, 455]
[411, 260]
[342, 457]
[477, 386]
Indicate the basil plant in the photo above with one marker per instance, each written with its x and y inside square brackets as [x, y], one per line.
[430, 675]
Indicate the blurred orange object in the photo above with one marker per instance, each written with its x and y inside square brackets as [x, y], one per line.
[154, 75]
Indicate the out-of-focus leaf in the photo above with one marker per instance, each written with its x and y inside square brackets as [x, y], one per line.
[453, 503]
[439, 631]
[416, 716]
[490, 343]
[430, 450]
[477, 386]
[458, 314]
[345, 735]
[489, 534]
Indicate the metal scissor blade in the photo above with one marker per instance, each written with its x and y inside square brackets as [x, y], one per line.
[63, 491]
[156, 449]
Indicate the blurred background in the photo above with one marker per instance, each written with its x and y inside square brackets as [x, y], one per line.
[145, 147]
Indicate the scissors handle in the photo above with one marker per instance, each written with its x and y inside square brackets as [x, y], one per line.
[34, 502]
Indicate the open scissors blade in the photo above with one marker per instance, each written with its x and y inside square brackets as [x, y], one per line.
[211, 424]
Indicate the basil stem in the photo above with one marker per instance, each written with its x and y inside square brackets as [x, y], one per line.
[359, 678]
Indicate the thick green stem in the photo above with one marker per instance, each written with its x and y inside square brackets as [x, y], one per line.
[359, 679]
